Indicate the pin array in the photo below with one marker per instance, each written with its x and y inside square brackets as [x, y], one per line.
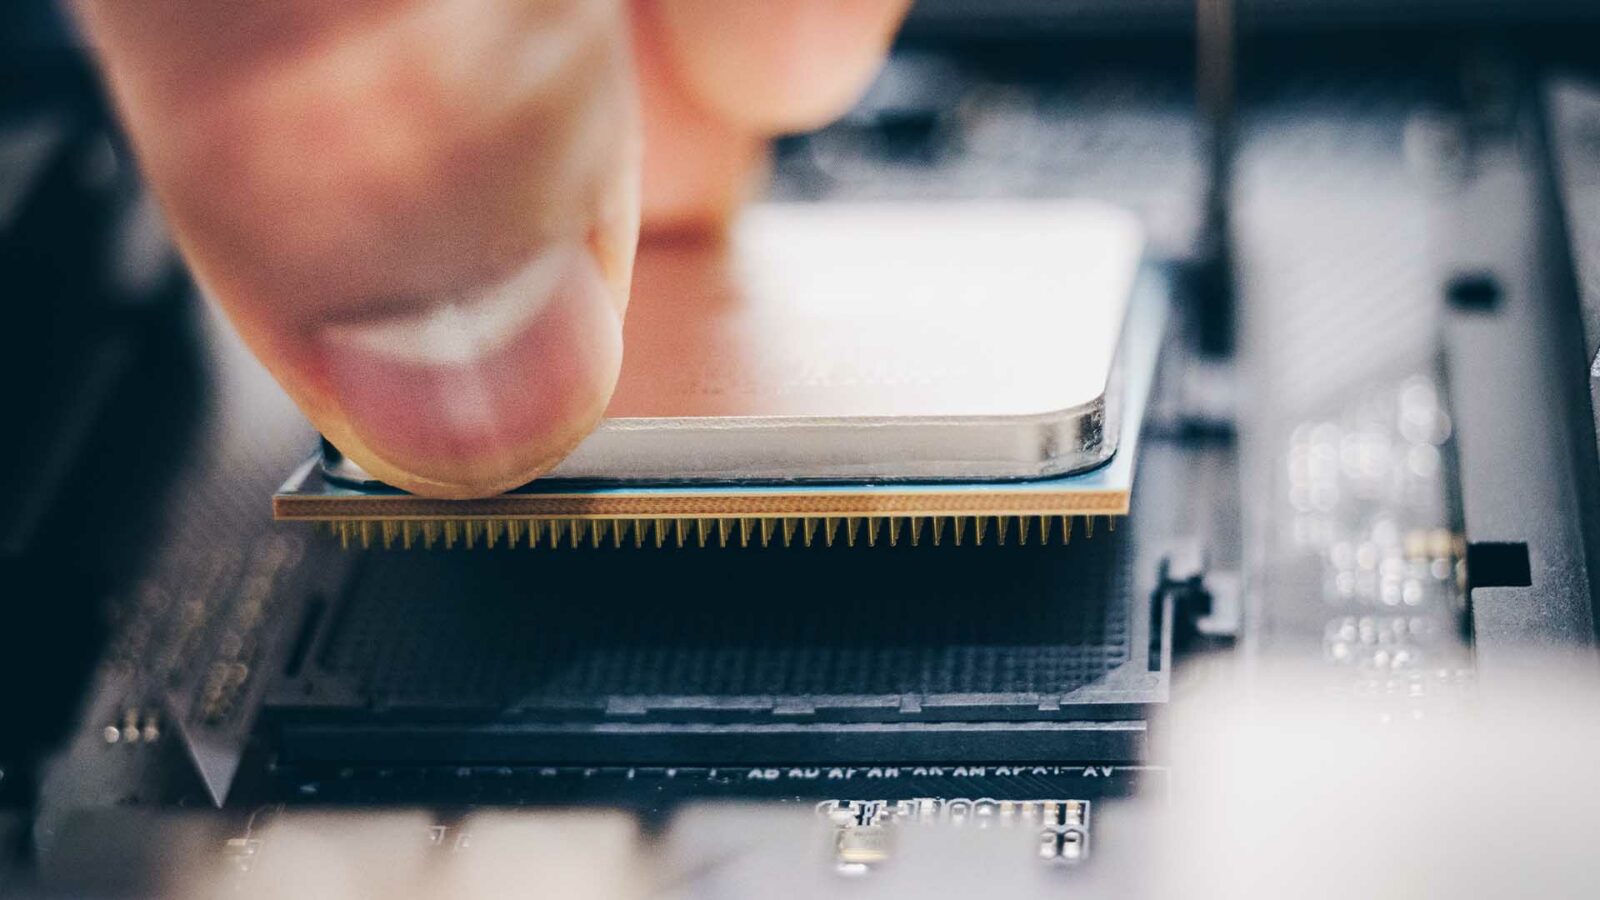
[781, 531]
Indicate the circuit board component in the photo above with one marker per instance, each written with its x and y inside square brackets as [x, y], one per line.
[864, 830]
[557, 512]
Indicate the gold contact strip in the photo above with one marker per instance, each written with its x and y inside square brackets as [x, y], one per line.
[971, 504]
[765, 531]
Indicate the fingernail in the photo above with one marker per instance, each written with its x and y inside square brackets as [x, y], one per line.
[473, 388]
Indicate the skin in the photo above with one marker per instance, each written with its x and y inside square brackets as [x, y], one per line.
[421, 215]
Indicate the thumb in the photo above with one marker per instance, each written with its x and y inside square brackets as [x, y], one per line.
[420, 214]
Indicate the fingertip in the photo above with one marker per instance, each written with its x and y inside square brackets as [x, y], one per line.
[777, 67]
[421, 216]
[474, 397]
[697, 167]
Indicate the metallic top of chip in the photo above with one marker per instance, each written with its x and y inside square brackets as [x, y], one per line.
[881, 342]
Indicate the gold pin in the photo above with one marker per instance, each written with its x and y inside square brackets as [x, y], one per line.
[1000, 523]
[1022, 530]
[958, 526]
[1088, 526]
[978, 529]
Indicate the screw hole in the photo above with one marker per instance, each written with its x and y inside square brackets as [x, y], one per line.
[1477, 292]
[1498, 564]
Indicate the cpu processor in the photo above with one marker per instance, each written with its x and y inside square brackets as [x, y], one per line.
[837, 372]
